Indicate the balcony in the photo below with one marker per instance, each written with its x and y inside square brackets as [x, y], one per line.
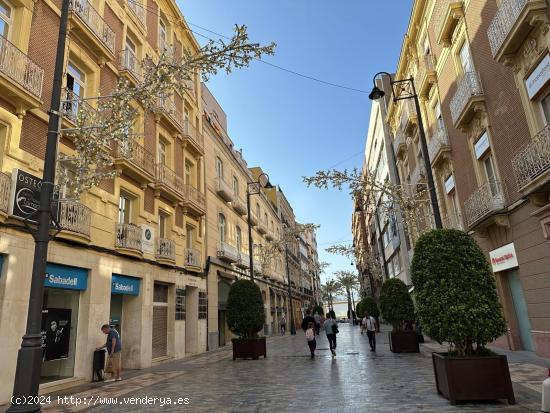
[511, 25]
[262, 227]
[447, 14]
[532, 163]
[128, 239]
[408, 115]
[419, 174]
[194, 200]
[239, 205]
[425, 76]
[169, 184]
[253, 218]
[224, 190]
[400, 144]
[452, 221]
[165, 110]
[257, 265]
[135, 161]
[484, 202]
[165, 252]
[22, 79]
[138, 10]
[467, 99]
[269, 236]
[74, 107]
[438, 145]
[5, 189]
[193, 261]
[92, 29]
[129, 66]
[74, 220]
[227, 253]
[244, 260]
[192, 137]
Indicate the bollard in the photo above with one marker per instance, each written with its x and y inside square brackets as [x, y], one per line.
[546, 394]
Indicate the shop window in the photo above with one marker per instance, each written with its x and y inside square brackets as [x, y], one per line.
[203, 305]
[5, 19]
[180, 304]
[160, 293]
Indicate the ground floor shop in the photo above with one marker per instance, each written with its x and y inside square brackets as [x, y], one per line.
[159, 312]
[518, 246]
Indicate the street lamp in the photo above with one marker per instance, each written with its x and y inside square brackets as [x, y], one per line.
[254, 188]
[407, 86]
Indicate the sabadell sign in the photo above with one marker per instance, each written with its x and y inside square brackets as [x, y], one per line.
[504, 258]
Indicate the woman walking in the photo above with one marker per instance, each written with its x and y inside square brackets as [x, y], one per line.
[331, 329]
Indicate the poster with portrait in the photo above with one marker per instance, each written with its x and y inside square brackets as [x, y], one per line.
[56, 333]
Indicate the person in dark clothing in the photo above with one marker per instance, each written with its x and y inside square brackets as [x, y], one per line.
[307, 319]
[330, 326]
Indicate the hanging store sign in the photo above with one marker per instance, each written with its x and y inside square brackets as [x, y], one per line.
[147, 239]
[25, 196]
[121, 284]
[62, 276]
[504, 258]
[538, 79]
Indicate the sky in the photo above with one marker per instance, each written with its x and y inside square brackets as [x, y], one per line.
[291, 126]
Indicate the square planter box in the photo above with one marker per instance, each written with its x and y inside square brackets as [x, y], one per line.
[473, 378]
[404, 342]
[249, 348]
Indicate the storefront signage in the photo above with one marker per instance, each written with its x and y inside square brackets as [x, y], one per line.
[539, 78]
[26, 196]
[121, 284]
[504, 258]
[62, 276]
[148, 239]
[56, 333]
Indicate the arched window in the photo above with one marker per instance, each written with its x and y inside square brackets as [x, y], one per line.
[239, 237]
[221, 227]
[219, 168]
[235, 186]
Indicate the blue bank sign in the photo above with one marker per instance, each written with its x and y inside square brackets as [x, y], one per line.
[62, 276]
[122, 284]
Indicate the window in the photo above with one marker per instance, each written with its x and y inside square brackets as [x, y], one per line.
[5, 19]
[162, 225]
[162, 152]
[545, 103]
[466, 59]
[396, 261]
[426, 45]
[75, 83]
[258, 211]
[235, 186]
[64, 190]
[265, 218]
[490, 173]
[221, 227]
[180, 304]
[438, 116]
[203, 305]
[163, 35]
[124, 209]
[239, 237]
[219, 168]
[189, 173]
[189, 236]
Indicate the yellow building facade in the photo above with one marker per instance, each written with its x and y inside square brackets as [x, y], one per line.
[132, 250]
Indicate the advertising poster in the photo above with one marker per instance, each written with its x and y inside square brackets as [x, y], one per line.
[56, 333]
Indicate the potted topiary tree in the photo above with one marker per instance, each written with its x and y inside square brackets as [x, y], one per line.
[397, 309]
[457, 303]
[368, 305]
[245, 318]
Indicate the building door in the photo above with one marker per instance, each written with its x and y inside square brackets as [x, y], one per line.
[160, 321]
[520, 308]
[221, 326]
[115, 315]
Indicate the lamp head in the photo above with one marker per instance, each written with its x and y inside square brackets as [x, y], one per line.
[376, 93]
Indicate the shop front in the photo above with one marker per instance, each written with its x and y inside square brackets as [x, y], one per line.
[123, 288]
[63, 287]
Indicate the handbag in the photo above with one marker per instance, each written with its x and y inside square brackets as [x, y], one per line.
[335, 329]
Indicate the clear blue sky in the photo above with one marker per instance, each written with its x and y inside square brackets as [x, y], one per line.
[292, 126]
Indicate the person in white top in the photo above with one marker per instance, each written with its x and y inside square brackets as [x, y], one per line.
[369, 324]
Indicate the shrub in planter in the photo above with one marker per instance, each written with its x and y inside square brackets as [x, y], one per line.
[457, 303]
[397, 308]
[245, 318]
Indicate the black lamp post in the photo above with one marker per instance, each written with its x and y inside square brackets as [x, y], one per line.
[254, 188]
[398, 89]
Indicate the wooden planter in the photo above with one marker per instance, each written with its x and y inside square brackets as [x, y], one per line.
[473, 378]
[251, 348]
[404, 342]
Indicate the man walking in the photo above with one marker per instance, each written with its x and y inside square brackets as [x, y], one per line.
[114, 347]
[369, 324]
[282, 323]
[317, 318]
[331, 328]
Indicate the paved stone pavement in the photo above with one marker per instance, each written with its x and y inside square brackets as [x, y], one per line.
[289, 381]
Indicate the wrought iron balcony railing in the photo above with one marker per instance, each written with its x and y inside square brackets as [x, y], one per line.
[130, 63]
[468, 86]
[17, 66]
[227, 252]
[195, 196]
[167, 106]
[533, 160]
[139, 11]
[244, 260]
[191, 132]
[95, 22]
[167, 177]
[193, 258]
[74, 105]
[418, 174]
[438, 141]
[223, 189]
[486, 200]
[5, 187]
[137, 155]
[426, 65]
[74, 217]
[502, 23]
[239, 204]
[166, 249]
[128, 236]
